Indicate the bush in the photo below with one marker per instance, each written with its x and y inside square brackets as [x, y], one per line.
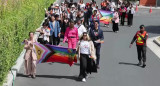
[17, 19]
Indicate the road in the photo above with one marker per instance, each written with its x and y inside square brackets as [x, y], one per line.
[117, 64]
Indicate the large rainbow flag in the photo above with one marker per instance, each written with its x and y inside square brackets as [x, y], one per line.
[51, 53]
[106, 16]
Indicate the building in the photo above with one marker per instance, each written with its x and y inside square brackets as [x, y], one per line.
[149, 2]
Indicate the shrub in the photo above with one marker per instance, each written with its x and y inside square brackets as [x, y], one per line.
[17, 19]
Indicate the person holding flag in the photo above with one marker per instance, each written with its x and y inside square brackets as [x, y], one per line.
[30, 56]
[71, 35]
[55, 29]
[94, 18]
[44, 33]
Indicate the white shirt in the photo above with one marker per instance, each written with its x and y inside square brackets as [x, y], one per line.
[54, 23]
[46, 35]
[112, 5]
[132, 10]
[84, 47]
[81, 29]
[74, 14]
[42, 30]
[82, 5]
[57, 11]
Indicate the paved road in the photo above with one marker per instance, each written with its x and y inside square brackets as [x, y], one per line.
[117, 62]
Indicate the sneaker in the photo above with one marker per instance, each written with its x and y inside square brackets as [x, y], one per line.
[83, 80]
[29, 76]
[98, 67]
[116, 31]
[87, 76]
[105, 25]
[108, 26]
[34, 76]
[139, 64]
[144, 65]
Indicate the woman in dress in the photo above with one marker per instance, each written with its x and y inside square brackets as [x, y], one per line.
[30, 56]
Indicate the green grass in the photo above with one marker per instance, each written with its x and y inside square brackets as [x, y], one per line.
[17, 19]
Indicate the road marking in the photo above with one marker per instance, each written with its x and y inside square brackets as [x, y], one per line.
[154, 47]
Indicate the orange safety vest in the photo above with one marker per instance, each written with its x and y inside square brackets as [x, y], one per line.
[103, 4]
[140, 41]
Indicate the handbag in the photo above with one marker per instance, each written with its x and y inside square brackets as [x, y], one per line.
[91, 66]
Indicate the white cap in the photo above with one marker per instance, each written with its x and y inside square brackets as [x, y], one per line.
[62, 2]
[57, 5]
[72, 6]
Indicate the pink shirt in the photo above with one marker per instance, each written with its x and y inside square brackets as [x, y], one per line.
[116, 17]
[71, 33]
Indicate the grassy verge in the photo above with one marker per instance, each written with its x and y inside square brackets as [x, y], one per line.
[17, 19]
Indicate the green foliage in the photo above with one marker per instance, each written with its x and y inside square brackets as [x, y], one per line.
[17, 19]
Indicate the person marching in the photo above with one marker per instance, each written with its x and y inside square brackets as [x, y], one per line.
[55, 29]
[80, 27]
[85, 50]
[130, 11]
[141, 39]
[94, 18]
[115, 21]
[71, 35]
[123, 11]
[103, 5]
[30, 56]
[97, 37]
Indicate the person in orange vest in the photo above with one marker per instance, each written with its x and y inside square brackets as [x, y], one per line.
[103, 5]
[141, 39]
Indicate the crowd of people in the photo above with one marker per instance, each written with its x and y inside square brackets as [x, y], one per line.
[78, 24]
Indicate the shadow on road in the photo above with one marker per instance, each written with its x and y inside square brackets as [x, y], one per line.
[52, 76]
[58, 77]
[107, 31]
[21, 75]
[124, 63]
[153, 29]
[77, 64]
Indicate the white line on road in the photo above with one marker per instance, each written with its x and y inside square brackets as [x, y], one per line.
[154, 47]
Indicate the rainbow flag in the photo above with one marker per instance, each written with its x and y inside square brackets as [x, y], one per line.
[106, 16]
[51, 53]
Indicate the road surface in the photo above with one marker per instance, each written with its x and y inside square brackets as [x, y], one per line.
[117, 64]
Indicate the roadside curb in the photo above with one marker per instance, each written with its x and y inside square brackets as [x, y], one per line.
[153, 46]
[19, 62]
[157, 41]
[148, 7]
